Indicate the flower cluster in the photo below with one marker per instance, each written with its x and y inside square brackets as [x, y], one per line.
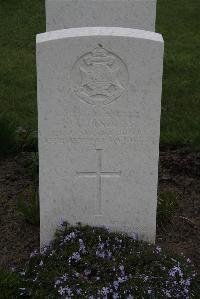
[87, 262]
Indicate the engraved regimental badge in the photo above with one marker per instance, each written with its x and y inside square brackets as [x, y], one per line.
[99, 77]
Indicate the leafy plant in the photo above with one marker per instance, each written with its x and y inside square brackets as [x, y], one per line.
[167, 205]
[32, 165]
[28, 205]
[7, 135]
[10, 284]
[92, 262]
[13, 138]
[27, 140]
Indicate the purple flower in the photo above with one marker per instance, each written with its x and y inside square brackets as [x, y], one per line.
[44, 250]
[82, 246]
[109, 254]
[97, 278]
[68, 291]
[172, 272]
[121, 268]
[118, 240]
[122, 279]
[167, 294]
[101, 245]
[146, 278]
[158, 249]
[135, 236]
[57, 283]
[65, 291]
[76, 274]
[87, 272]
[116, 284]
[41, 263]
[105, 291]
[187, 282]
[186, 290]
[75, 256]
[34, 253]
[115, 296]
[61, 291]
[78, 291]
[100, 254]
[64, 277]
[69, 237]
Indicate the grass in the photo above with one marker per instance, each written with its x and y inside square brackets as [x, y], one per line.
[167, 205]
[20, 21]
[88, 262]
[28, 201]
[28, 205]
[177, 20]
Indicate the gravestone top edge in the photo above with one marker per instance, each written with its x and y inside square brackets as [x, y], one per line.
[98, 31]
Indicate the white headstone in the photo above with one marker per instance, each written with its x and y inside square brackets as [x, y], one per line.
[139, 14]
[99, 98]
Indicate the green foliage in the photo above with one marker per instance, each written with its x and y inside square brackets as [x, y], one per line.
[167, 205]
[28, 205]
[84, 261]
[10, 284]
[7, 135]
[26, 140]
[34, 168]
[32, 141]
[13, 138]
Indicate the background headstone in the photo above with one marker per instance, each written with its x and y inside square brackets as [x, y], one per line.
[139, 14]
[99, 96]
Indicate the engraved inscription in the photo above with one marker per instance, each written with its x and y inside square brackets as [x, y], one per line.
[99, 174]
[99, 77]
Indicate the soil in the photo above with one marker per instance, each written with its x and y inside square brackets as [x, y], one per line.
[179, 172]
[18, 238]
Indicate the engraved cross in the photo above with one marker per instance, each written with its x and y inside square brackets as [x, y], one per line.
[99, 174]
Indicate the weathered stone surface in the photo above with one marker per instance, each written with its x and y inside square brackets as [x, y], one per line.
[99, 95]
[139, 14]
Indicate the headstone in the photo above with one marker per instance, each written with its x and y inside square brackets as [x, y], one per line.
[139, 14]
[99, 98]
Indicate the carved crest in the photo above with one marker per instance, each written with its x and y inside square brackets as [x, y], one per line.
[99, 77]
